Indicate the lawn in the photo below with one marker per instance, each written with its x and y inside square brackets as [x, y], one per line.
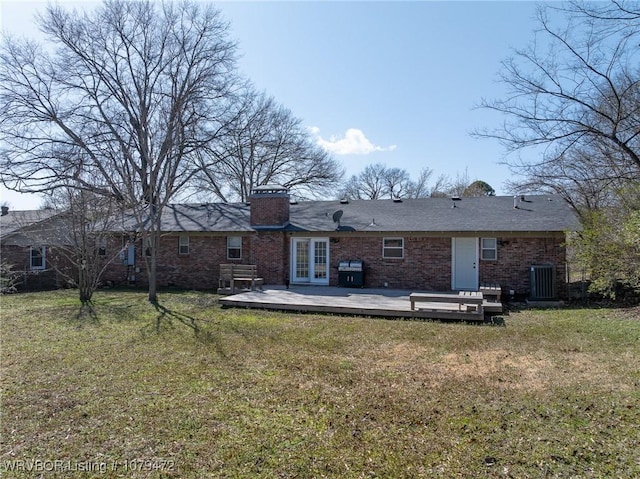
[190, 390]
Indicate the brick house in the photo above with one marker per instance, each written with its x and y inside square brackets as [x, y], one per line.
[29, 242]
[438, 244]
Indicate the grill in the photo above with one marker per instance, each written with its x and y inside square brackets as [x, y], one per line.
[543, 281]
[351, 273]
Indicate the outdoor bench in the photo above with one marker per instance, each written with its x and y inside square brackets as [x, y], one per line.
[472, 300]
[233, 276]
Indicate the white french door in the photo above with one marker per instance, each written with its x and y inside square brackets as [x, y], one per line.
[310, 260]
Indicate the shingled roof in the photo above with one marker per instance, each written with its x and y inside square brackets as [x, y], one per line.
[12, 221]
[539, 213]
[27, 227]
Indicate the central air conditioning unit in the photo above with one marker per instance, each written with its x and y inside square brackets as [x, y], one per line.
[542, 279]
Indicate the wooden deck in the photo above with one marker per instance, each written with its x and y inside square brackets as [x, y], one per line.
[361, 302]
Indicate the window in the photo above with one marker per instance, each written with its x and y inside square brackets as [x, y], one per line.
[37, 255]
[102, 247]
[183, 244]
[234, 247]
[146, 243]
[393, 247]
[320, 254]
[489, 249]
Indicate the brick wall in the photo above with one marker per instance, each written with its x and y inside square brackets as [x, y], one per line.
[17, 256]
[270, 251]
[426, 264]
[116, 273]
[515, 257]
[197, 269]
[57, 272]
[200, 268]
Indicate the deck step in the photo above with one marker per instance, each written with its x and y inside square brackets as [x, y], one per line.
[491, 289]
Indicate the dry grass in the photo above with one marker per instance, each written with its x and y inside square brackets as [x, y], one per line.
[190, 390]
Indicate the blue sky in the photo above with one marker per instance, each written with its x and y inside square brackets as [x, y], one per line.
[376, 82]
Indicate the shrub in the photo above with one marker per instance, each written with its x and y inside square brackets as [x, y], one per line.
[609, 249]
[8, 278]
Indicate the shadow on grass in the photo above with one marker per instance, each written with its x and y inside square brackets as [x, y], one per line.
[167, 317]
[87, 311]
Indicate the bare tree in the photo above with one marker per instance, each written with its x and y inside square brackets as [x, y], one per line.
[458, 186]
[573, 101]
[441, 187]
[377, 181]
[397, 182]
[122, 105]
[583, 178]
[85, 221]
[265, 144]
[420, 187]
[369, 184]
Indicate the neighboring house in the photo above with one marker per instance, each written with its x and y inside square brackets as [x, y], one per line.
[28, 240]
[438, 244]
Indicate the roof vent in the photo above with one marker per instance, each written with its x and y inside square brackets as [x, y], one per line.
[344, 201]
[515, 202]
[5, 210]
[397, 200]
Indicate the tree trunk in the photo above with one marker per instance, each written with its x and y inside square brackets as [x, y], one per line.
[84, 285]
[153, 288]
[152, 260]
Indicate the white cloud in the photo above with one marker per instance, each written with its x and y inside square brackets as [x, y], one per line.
[354, 142]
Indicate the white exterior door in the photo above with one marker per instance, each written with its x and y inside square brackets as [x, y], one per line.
[464, 263]
[310, 260]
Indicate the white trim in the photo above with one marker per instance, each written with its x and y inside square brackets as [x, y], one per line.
[43, 254]
[494, 249]
[183, 244]
[234, 247]
[454, 281]
[292, 263]
[393, 248]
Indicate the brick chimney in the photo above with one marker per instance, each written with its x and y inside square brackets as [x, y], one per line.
[269, 206]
